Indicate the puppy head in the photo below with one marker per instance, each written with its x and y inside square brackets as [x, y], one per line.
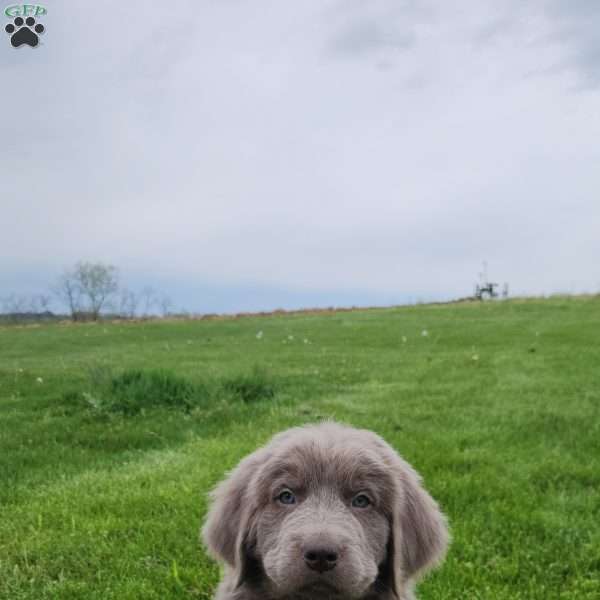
[325, 510]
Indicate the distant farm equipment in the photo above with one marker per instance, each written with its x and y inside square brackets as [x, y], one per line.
[486, 289]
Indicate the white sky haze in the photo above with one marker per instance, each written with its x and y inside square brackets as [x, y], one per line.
[252, 155]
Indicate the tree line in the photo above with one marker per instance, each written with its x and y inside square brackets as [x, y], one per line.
[88, 291]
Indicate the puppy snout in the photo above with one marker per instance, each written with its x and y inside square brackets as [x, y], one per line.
[320, 558]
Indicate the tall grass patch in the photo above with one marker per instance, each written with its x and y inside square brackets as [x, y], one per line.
[250, 387]
[133, 391]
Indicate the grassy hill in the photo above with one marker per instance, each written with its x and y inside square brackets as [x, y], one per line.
[111, 435]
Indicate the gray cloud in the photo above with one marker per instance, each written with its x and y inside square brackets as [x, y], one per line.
[378, 29]
[563, 34]
[575, 26]
[369, 36]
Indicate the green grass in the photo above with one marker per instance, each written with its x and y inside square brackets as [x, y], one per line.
[111, 435]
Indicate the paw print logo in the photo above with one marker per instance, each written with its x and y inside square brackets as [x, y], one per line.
[24, 32]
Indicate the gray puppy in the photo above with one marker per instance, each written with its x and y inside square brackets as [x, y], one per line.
[324, 512]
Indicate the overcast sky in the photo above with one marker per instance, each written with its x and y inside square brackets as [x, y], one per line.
[245, 155]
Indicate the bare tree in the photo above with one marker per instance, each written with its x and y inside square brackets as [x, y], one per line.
[149, 299]
[34, 305]
[87, 288]
[99, 283]
[165, 304]
[15, 304]
[44, 301]
[68, 291]
[128, 303]
[39, 303]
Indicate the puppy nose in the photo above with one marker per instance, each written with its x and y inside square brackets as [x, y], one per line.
[320, 559]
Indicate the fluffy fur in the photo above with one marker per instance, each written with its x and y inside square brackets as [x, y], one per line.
[326, 544]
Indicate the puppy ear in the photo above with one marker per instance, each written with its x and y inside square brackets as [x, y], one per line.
[420, 533]
[228, 531]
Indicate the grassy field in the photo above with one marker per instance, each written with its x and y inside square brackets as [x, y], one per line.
[111, 435]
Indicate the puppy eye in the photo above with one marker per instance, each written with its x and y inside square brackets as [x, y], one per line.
[286, 497]
[361, 501]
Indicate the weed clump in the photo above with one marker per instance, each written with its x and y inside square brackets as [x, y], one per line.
[134, 391]
[250, 387]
